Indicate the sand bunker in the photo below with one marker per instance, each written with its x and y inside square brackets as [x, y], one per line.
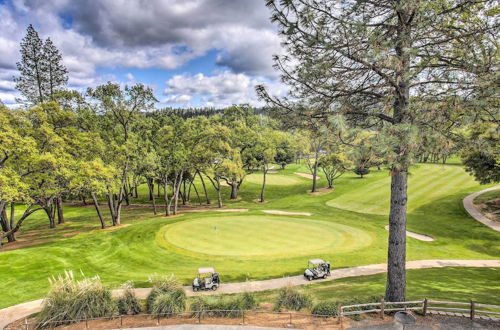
[232, 210]
[307, 176]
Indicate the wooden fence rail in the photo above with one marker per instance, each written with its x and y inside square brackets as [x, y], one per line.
[456, 308]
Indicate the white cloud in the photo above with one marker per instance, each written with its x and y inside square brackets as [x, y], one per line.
[220, 90]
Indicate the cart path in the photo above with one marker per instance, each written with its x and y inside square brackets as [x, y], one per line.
[13, 313]
[474, 212]
[420, 237]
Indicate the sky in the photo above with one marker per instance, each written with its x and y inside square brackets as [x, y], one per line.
[193, 53]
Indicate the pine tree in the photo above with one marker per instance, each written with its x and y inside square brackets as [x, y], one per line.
[56, 72]
[31, 67]
[41, 70]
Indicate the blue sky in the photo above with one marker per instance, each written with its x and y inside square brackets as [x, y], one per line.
[192, 52]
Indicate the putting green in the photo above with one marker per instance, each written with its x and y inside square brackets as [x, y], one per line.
[273, 179]
[253, 236]
[426, 183]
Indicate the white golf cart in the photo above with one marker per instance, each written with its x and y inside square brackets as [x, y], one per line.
[317, 268]
[207, 279]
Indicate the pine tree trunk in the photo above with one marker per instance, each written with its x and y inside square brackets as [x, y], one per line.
[315, 170]
[151, 187]
[396, 267]
[219, 197]
[177, 191]
[60, 212]
[98, 209]
[165, 195]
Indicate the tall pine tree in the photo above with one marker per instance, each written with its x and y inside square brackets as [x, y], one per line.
[56, 72]
[41, 70]
[31, 81]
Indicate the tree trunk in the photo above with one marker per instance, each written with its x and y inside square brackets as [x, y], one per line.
[219, 197]
[264, 171]
[111, 208]
[49, 210]
[177, 190]
[165, 195]
[151, 187]
[396, 266]
[234, 190]
[98, 209]
[12, 237]
[204, 188]
[60, 213]
[315, 170]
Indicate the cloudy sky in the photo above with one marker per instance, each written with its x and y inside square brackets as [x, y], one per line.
[192, 52]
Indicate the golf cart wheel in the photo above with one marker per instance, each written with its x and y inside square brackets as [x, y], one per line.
[309, 278]
[214, 288]
[195, 289]
[324, 276]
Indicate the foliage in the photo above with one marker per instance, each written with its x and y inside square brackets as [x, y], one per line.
[291, 298]
[329, 308]
[171, 292]
[127, 303]
[70, 301]
[223, 306]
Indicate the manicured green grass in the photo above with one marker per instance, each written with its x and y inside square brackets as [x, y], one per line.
[426, 183]
[261, 236]
[135, 251]
[451, 284]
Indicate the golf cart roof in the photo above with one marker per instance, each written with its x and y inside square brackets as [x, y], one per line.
[316, 261]
[206, 270]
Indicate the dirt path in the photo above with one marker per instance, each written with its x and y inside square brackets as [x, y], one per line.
[420, 237]
[474, 212]
[13, 313]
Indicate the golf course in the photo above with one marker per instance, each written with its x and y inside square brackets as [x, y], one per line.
[345, 226]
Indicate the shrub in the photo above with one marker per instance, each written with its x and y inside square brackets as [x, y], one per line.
[223, 306]
[167, 304]
[165, 286]
[328, 308]
[127, 303]
[69, 301]
[290, 298]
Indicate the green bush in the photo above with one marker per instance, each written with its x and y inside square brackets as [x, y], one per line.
[127, 303]
[167, 304]
[290, 298]
[328, 308]
[166, 285]
[69, 301]
[229, 306]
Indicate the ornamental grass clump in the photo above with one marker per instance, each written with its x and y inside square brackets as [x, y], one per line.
[166, 297]
[290, 298]
[230, 306]
[127, 303]
[70, 301]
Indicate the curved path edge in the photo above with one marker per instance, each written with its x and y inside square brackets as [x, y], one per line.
[16, 312]
[474, 212]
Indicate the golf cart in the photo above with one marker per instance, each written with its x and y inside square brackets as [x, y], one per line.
[317, 268]
[207, 279]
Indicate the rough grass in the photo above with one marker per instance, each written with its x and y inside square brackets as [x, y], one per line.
[132, 252]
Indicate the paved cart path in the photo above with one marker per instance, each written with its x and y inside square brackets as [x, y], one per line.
[474, 212]
[10, 314]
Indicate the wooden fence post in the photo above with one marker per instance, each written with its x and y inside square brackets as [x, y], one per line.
[382, 307]
[199, 317]
[472, 309]
[424, 310]
[26, 323]
[290, 324]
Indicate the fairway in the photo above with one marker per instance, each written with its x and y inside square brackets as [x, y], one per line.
[261, 236]
[427, 183]
[273, 179]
